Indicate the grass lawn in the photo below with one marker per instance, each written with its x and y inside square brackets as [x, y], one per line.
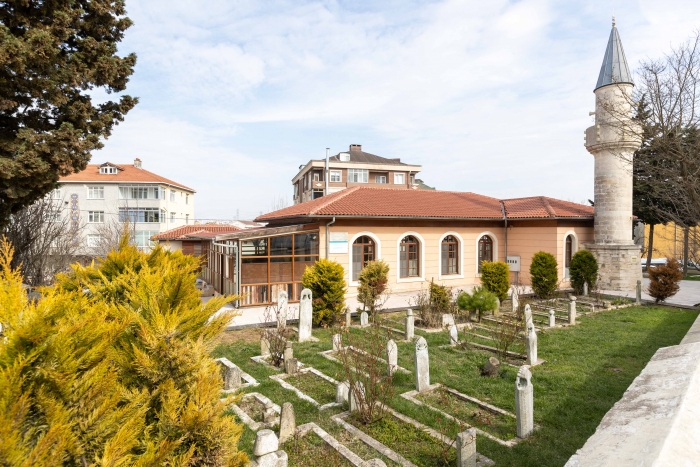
[312, 451]
[313, 386]
[588, 367]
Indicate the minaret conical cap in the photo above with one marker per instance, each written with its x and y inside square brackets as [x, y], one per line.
[614, 69]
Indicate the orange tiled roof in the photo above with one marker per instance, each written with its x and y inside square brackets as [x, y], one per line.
[399, 203]
[197, 230]
[128, 174]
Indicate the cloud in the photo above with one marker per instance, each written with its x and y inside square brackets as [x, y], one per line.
[491, 97]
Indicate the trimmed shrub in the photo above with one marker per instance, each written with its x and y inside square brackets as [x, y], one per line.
[583, 269]
[543, 274]
[495, 277]
[479, 301]
[440, 298]
[664, 280]
[326, 280]
[372, 282]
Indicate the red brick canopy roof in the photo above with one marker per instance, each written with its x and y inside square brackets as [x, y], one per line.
[125, 174]
[186, 232]
[400, 203]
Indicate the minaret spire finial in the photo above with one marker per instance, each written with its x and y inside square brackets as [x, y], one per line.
[613, 19]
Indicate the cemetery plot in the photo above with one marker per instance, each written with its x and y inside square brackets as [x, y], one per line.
[333, 356]
[490, 421]
[312, 450]
[257, 411]
[321, 388]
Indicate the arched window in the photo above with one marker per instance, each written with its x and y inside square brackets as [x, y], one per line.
[363, 251]
[568, 253]
[409, 257]
[450, 251]
[485, 250]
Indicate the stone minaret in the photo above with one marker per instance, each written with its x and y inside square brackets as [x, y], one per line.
[613, 140]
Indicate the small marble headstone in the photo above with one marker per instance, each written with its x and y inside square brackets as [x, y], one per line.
[422, 365]
[528, 317]
[288, 350]
[639, 292]
[524, 403]
[348, 318]
[410, 325]
[282, 307]
[514, 302]
[287, 422]
[364, 319]
[265, 442]
[392, 356]
[497, 311]
[291, 366]
[531, 342]
[342, 390]
[466, 448]
[273, 459]
[552, 319]
[337, 342]
[448, 320]
[305, 316]
[454, 335]
[585, 289]
[355, 397]
[572, 310]
[264, 346]
[230, 373]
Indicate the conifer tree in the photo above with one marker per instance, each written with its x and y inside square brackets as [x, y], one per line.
[112, 367]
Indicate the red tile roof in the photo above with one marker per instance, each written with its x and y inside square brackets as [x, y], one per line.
[197, 230]
[126, 174]
[399, 203]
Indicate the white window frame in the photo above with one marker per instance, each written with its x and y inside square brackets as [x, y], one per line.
[336, 176]
[354, 173]
[95, 192]
[142, 238]
[460, 257]
[421, 276]
[109, 170]
[53, 215]
[172, 217]
[380, 179]
[172, 196]
[399, 178]
[55, 194]
[494, 239]
[187, 198]
[93, 240]
[317, 177]
[99, 215]
[187, 219]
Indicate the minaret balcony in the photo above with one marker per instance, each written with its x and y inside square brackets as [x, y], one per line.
[610, 136]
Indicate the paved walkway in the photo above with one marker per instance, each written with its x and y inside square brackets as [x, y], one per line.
[688, 295]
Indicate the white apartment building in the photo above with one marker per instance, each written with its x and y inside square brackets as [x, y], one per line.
[106, 195]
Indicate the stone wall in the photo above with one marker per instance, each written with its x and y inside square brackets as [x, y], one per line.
[619, 266]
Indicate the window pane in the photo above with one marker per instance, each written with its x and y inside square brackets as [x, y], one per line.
[306, 244]
[280, 270]
[254, 271]
[300, 265]
[281, 246]
[257, 247]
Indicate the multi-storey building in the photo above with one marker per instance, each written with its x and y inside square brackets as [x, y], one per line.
[353, 168]
[107, 195]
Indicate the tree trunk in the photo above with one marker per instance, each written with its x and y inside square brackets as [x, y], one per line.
[686, 234]
[651, 245]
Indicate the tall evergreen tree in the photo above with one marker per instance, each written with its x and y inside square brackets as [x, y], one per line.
[53, 55]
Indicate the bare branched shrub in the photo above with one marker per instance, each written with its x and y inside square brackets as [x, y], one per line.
[506, 332]
[432, 303]
[365, 368]
[276, 336]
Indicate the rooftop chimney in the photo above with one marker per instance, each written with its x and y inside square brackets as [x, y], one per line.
[356, 147]
[137, 163]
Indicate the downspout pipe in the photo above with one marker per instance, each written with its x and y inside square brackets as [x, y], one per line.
[505, 223]
[328, 238]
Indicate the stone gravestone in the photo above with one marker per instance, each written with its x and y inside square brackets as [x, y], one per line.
[491, 367]
[528, 318]
[410, 325]
[288, 350]
[422, 365]
[264, 346]
[269, 416]
[305, 316]
[354, 398]
[364, 319]
[392, 356]
[466, 448]
[348, 318]
[291, 366]
[497, 311]
[531, 343]
[514, 302]
[230, 373]
[585, 289]
[447, 320]
[524, 403]
[342, 389]
[337, 342]
[639, 292]
[282, 306]
[266, 449]
[572, 310]
[287, 422]
[454, 335]
[552, 319]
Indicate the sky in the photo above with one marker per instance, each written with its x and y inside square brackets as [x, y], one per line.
[489, 97]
